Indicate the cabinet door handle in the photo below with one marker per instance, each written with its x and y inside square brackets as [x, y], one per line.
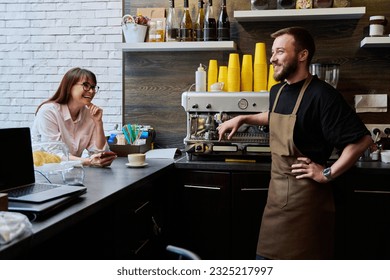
[202, 187]
[364, 191]
[141, 207]
[254, 189]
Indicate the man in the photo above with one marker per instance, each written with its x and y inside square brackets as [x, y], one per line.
[307, 120]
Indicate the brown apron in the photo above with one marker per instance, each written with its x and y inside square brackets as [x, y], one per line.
[298, 219]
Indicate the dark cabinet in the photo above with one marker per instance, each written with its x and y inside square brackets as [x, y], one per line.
[205, 213]
[249, 196]
[367, 217]
[135, 226]
[221, 212]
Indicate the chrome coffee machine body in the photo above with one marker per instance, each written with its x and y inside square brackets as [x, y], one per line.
[206, 110]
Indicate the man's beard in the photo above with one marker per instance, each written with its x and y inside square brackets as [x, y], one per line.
[287, 70]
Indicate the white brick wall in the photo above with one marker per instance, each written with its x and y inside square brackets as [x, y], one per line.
[42, 39]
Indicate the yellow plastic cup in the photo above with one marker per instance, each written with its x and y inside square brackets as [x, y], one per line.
[223, 76]
[247, 73]
[260, 77]
[233, 77]
[271, 80]
[233, 83]
[212, 73]
[234, 61]
[260, 54]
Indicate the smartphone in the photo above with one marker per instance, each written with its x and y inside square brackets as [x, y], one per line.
[108, 154]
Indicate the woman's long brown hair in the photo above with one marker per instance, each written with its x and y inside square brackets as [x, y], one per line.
[72, 77]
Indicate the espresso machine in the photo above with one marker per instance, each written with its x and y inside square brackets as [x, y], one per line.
[206, 110]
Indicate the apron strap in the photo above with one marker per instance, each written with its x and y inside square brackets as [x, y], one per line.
[277, 97]
[299, 99]
[303, 89]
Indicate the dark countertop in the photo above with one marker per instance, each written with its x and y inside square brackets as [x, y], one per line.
[104, 187]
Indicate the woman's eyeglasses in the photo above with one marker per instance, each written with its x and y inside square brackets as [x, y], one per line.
[88, 87]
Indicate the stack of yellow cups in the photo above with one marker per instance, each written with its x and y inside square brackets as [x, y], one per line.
[247, 73]
[212, 73]
[271, 80]
[260, 68]
[233, 82]
[223, 76]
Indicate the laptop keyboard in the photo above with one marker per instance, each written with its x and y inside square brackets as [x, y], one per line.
[37, 187]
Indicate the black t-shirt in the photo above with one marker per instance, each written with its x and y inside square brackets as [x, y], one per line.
[324, 119]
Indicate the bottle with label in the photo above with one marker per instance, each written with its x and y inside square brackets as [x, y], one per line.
[159, 31]
[199, 22]
[223, 25]
[171, 25]
[152, 32]
[186, 25]
[200, 79]
[210, 24]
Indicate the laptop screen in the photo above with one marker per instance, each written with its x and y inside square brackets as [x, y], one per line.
[16, 164]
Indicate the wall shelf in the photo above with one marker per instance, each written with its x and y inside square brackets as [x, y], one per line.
[375, 42]
[180, 46]
[300, 14]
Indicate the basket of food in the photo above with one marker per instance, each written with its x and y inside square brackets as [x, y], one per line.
[134, 28]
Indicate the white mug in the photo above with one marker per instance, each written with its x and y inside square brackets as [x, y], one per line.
[136, 159]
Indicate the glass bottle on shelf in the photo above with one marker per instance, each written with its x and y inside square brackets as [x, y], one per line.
[199, 22]
[152, 32]
[223, 25]
[285, 4]
[159, 31]
[210, 24]
[186, 31]
[171, 25]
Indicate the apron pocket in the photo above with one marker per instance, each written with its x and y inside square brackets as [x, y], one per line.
[278, 191]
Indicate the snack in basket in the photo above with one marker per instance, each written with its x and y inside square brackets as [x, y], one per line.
[42, 157]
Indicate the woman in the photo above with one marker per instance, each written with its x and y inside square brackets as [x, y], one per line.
[71, 117]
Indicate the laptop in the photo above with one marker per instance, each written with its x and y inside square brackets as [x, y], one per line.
[17, 175]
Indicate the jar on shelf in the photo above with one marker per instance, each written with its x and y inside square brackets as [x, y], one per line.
[322, 3]
[285, 4]
[259, 4]
[377, 25]
[152, 31]
[341, 3]
[304, 4]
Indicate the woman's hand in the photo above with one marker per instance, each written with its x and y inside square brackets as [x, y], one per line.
[102, 159]
[305, 168]
[96, 112]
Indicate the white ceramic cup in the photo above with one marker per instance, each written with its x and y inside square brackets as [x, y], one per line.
[136, 159]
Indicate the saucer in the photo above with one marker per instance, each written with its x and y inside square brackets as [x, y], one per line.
[136, 165]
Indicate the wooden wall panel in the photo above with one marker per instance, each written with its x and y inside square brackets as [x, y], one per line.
[154, 81]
